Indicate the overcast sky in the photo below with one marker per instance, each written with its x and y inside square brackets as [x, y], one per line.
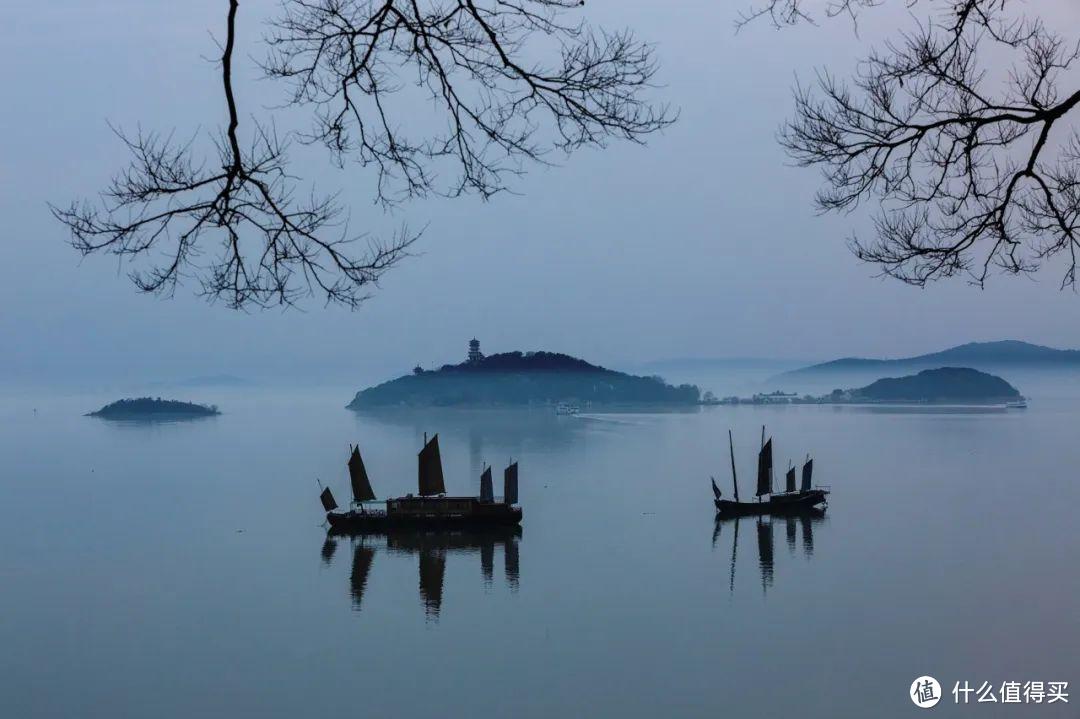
[702, 244]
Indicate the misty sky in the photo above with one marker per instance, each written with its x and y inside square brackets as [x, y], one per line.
[704, 243]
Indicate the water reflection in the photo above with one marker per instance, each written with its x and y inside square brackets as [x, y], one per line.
[484, 431]
[766, 546]
[328, 548]
[923, 409]
[765, 552]
[363, 556]
[431, 549]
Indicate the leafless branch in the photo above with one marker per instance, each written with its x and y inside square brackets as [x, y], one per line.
[785, 13]
[237, 223]
[494, 109]
[976, 169]
[271, 247]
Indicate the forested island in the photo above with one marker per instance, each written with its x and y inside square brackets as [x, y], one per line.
[517, 378]
[945, 384]
[154, 408]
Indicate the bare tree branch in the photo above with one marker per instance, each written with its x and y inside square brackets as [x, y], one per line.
[976, 170]
[236, 223]
[785, 13]
[272, 247]
[494, 108]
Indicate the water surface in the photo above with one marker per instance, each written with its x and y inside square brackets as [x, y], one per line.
[180, 569]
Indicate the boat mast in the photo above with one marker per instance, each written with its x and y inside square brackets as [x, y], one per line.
[734, 478]
[759, 461]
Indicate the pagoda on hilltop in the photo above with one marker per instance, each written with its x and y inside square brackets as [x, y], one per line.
[475, 355]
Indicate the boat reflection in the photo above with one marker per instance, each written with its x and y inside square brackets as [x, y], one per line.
[763, 527]
[431, 548]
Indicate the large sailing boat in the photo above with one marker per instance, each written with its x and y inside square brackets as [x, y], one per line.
[430, 507]
[791, 501]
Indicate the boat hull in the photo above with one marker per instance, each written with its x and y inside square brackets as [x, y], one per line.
[794, 503]
[493, 515]
[413, 538]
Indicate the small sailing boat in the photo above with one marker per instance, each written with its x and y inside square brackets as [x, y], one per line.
[791, 501]
[431, 507]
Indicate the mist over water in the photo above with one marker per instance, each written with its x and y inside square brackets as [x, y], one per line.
[180, 569]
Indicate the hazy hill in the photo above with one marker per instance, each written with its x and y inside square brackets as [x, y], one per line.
[944, 384]
[153, 408]
[515, 378]
[978, 355]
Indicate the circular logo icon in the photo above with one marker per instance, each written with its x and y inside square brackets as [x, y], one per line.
[925, 692]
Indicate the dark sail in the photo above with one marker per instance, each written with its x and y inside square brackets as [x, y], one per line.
[487, 490]
[431, 476]
[361, 486]
[807, 474]
[789, 485]
[510, 484]
[327, 499]
[764, 469]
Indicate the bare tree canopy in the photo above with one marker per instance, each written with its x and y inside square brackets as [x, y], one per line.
[237, 223]
[964, 128]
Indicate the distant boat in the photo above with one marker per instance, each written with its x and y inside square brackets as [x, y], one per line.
[1017, 404]
[431, 508]
[567, 408]
[791, 501]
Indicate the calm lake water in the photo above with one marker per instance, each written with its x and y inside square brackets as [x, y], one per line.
[180, 570]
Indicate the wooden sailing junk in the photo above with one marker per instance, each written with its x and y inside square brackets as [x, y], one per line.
[430, 507]
[791, 501]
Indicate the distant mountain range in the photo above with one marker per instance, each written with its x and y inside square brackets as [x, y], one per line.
[978, 355]
[516, 378]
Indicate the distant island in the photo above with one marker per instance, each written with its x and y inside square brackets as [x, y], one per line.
[978, 355]
[944, 385]
[154, 408]
[517, 378]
